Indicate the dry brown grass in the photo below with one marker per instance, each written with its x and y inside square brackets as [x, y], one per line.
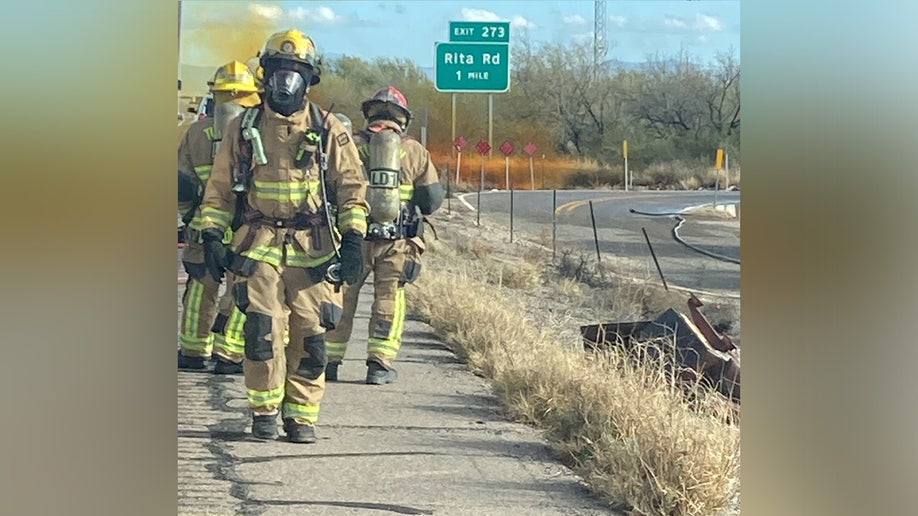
[548, 173]
[515, 274]
[626, 425]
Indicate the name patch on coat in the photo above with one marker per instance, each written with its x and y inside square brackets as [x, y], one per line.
[343, 138]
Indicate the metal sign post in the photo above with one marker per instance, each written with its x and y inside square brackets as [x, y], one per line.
[507, 149]
[460, 144]
[530, 149]
[625, 153]
[483, 147]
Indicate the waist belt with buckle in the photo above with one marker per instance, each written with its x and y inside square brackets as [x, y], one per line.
[313, 221]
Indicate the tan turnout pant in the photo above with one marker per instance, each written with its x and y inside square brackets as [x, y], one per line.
[393, 264]
[290, 379]
[209, 323]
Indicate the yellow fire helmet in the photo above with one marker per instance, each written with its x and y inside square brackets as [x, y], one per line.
[255, 67]
[292, 45]
[234, 77]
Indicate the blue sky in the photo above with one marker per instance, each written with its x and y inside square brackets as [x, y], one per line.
[409, 29]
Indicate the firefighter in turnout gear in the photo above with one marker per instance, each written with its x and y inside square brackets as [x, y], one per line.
[208, 327]
[403, 187]
[270, 179]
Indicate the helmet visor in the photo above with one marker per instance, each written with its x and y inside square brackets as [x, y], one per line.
[386, 111]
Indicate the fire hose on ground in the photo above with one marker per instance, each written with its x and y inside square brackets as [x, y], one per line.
[679, 221]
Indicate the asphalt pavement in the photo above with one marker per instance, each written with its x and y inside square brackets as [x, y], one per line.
[434, 442]
[620, 233]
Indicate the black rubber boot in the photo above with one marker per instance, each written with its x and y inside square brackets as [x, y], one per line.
[192, 363]
[378, 374]
[299, 432]
[224, 366]
[264, 427]
[331, 371]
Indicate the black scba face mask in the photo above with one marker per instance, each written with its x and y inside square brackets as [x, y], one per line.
[286, 92]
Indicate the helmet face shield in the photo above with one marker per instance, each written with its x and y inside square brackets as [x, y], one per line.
[286, 91]
[387, 111]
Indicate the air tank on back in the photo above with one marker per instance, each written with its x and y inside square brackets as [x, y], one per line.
[384, 164]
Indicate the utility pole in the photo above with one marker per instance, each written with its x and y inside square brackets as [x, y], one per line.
[600, 44]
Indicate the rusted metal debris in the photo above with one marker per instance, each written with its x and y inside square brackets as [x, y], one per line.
[698, 349]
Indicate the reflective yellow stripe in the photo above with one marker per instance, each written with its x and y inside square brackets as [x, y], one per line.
[234, 335]
[209, 131]
[203, 172]
[266, 398]
[382, 348]
[388, 347]
[335, 349]
[219, 342]
[197, 223]
[233, 341]
[216, 217]
[193, 307]
[199, 344]
[296, 191]
[265, 253]
[297, 258]
[400, 309]
[405, 192]
[188, 338]
[353, 218]
[308, 413]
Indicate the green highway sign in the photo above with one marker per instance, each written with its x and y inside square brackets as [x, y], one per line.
[472, 67]
[479, 32]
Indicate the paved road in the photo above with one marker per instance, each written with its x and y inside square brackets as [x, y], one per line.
[621, 240]
[435, 442]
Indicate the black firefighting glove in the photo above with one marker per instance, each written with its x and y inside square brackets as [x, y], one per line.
[187, 189]
[351, 256]
[214, 252]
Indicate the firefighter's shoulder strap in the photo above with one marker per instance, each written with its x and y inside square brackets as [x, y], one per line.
[317, 120]
[250, 117]
[242, 173]
[363, 150]
[318, 125]
[247, 150]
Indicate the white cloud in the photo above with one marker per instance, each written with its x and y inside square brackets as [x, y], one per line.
[479, 15]
[586, 37]
[484, 15]
[573, 19]
[703, 38]
[618, 21]
[324, 13]
[321, 14]
[674, 23]
[271, 12]
[523, 23]
[703, 23]
[707, 23]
